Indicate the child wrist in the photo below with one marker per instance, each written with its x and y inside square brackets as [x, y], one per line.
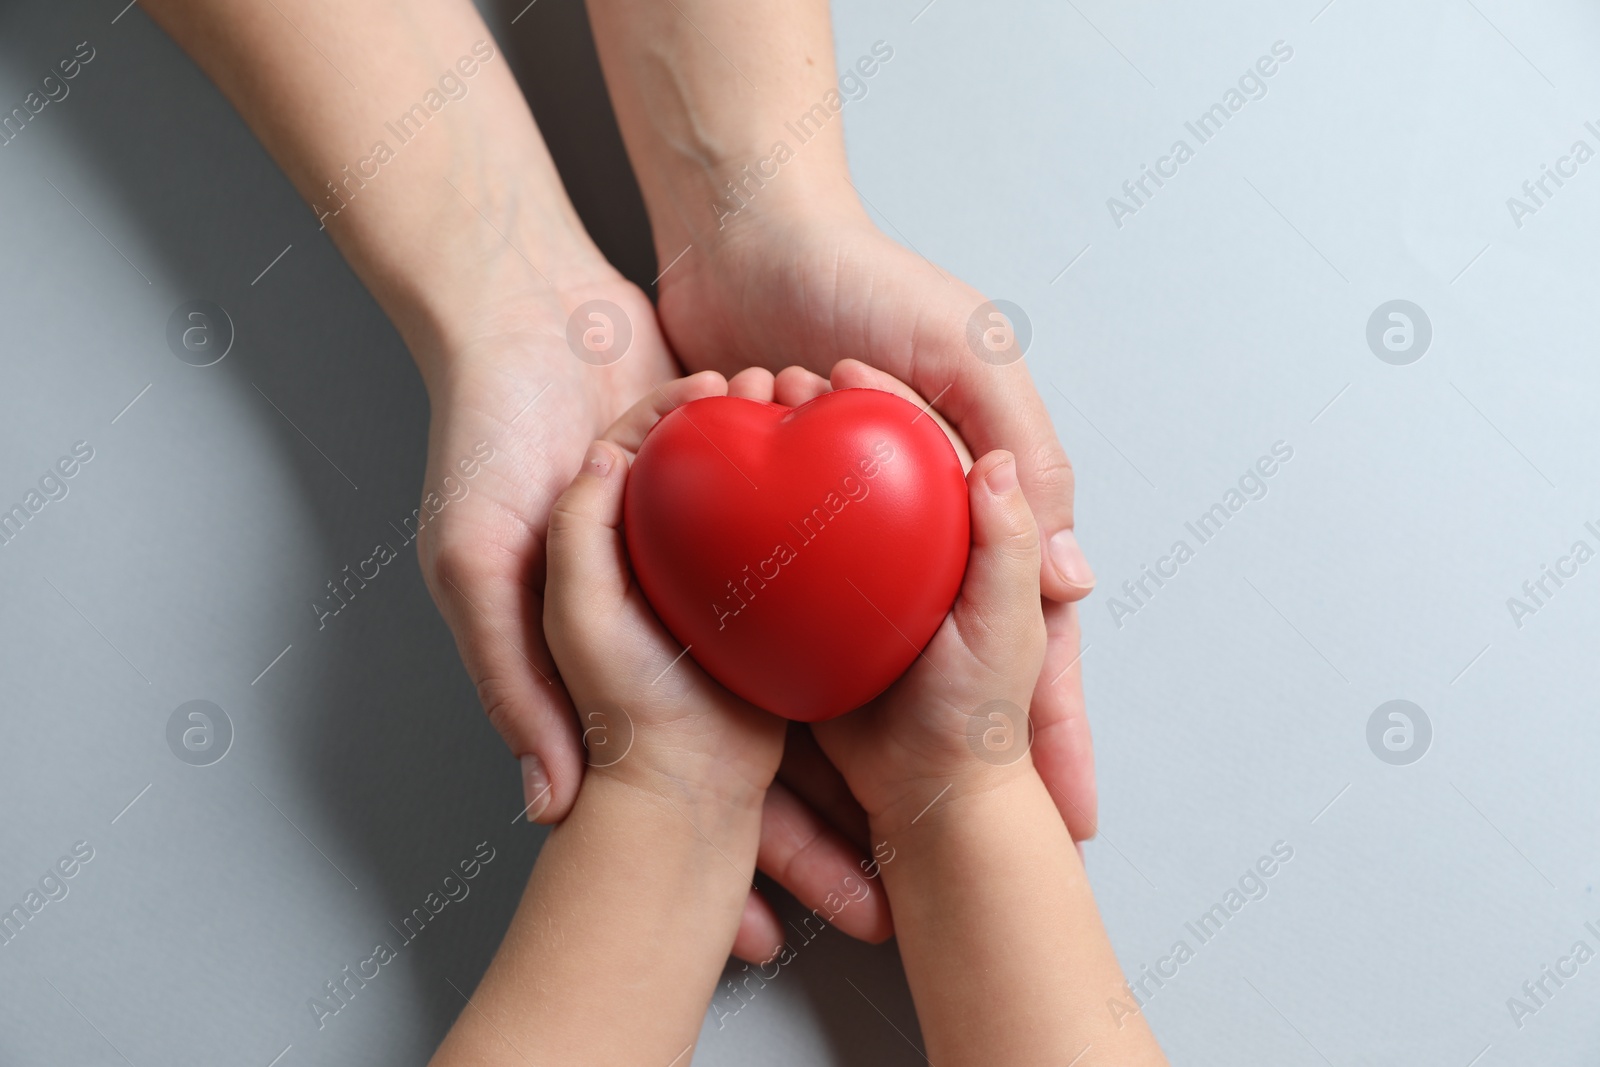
[940, 805]
[721, 839]
[689, 790]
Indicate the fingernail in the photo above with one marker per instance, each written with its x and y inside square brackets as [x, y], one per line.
[535, 787]
[1070, 561]
[1003, 478]
[598, 460]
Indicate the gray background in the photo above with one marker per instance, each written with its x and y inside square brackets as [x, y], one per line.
[1230, 712]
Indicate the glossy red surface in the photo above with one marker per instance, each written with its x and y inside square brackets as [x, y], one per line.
[806, 555]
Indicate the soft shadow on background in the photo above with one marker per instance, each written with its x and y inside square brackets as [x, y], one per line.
[1172, 348]
[361, 769]
[553, 56]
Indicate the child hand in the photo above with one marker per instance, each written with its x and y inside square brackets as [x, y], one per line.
[645, 885]
[957, 721]
[648, 714]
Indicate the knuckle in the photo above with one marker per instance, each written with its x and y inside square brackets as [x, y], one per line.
[498, 698]
[803, 852]
[450, 562]
[1021, 538]
[564, 517]
[1052, 470]
[567, 520]
[1003, 627]
[1016, 541]
[1003, 630]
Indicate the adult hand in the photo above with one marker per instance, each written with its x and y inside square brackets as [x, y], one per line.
[468, 242]
[513, 383]
[810, 280]
[514, 380]
[731, 114]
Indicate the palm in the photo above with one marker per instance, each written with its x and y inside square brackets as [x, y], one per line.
[521, 390]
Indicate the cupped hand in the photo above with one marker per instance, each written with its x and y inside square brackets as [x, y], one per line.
[812, 287]
[515, 385]
[956, 723]
[515, 389]
[875, 762]
[650, 715]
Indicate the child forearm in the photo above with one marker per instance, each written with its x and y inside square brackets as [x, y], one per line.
[619, 940]
[1003, 947]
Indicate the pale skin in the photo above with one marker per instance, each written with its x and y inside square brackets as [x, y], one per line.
[470, 245]
[620, 939]
[636, 898]
[800, 275]
[996, 923]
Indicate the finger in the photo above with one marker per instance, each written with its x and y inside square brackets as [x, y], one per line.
[811, 776]
[760, 935]
[587, 568]
[1009, 413]
[496, 615]
[998, 611]
[630, 428]
[1063, 753]
[797, 385]
[998, 406]
[752, 383]
[810, 859]
[854, 374]
[582, 565]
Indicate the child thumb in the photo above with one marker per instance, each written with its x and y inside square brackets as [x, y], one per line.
[998, 613]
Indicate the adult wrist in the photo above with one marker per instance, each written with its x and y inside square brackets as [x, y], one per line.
[484, 263]
[695, 121]
[764, 194]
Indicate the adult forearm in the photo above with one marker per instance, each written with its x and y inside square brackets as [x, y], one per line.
[705, 91]
[403, 128]
[1003, 948]
[619, 941]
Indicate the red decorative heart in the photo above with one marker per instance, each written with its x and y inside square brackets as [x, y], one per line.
[803, 556]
